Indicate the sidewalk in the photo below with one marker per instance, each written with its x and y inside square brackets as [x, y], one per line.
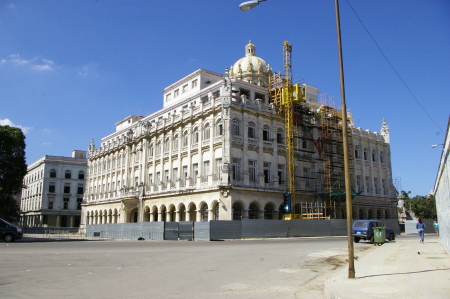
[404, 268]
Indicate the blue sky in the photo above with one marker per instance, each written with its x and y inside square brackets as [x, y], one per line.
[69, 70]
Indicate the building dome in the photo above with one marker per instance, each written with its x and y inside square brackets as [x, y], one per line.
[251, 68]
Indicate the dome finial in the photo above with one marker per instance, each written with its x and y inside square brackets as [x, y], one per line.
[250, 49]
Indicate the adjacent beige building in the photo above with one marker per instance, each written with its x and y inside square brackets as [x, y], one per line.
[54, 191]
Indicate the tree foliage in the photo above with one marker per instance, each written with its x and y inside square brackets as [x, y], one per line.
[12, 170]
[423, 206]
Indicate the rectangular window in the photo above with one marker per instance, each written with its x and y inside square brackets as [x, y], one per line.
[158, 178]
[166, 176]
[185, 175]
[260, 96]
[175, 93]
[67, 188]
[194, 83]
[306, 176]
[206, 171]
[251, 132]
[267, 173]
[80, 189]
[168, 97]
[252, 170]
[219, 168]
[281, 174]
[245, 92]
[51, 187]
[81, 175]
[358, 183]
[204, 99]
[367, 184]
[185, 88]
[79, 201]
[66, 203]
[236, 168]
[375, 185]
[150, 179]
[216, 94]
[194, 173]
[50, 204]
[175, 175]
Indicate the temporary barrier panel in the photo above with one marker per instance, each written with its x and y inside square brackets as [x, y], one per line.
[186, 230]
[171, 231]
[201, 231]
[223, 229]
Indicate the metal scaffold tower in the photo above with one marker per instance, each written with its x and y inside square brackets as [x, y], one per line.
[284, 95]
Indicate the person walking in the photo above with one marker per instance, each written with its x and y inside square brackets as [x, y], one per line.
[436, 227]
[420, 229]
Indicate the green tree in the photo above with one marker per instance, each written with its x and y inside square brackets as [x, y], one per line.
[423, 206]
[12, 170]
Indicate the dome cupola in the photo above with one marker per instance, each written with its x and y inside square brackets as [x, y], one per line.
[251, 68]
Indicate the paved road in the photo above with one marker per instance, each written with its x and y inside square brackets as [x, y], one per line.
[276, 268]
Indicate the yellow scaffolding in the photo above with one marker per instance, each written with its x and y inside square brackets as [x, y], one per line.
[284, 95]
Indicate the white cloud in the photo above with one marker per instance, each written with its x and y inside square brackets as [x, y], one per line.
[7, 122]
[88, 71]
[38, 64]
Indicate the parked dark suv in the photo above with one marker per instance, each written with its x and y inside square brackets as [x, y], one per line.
[363, 229]
[9, 232]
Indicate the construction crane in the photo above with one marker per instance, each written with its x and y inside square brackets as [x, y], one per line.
[285, 95]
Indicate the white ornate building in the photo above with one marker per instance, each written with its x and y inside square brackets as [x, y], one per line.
[216, 152]
[54, 191]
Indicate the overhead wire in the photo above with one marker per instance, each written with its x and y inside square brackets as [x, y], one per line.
[392, 66]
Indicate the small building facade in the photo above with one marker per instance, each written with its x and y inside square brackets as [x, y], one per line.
[54, 191]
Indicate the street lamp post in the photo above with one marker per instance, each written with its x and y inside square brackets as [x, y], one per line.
[348, 188]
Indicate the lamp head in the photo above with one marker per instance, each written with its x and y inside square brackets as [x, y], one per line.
[249, 4]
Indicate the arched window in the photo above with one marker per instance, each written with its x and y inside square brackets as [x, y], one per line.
[369, 214]
[195, 136]
[361, 214]
[68, 174]
[167, 145]
[365, 154]
[206, 132]
[204, 212]
[236, 127]
[237, 211]
[374, 156]
[356, 152]
[268, 211]
[151, 151]
[266, 133]
[176, 142]
[215, 211]
[158, 148]
[52, 173]
[185, 138]
[219, 128]
[252, 130]
[378, 214]
[280, 136]
[253, 211]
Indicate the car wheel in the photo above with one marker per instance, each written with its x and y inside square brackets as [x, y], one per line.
[8, 238]
[356, 239]
[391, 237]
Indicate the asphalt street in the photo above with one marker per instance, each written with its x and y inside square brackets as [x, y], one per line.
[274, 268]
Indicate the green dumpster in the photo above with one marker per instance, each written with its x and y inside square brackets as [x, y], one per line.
[379, 235]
